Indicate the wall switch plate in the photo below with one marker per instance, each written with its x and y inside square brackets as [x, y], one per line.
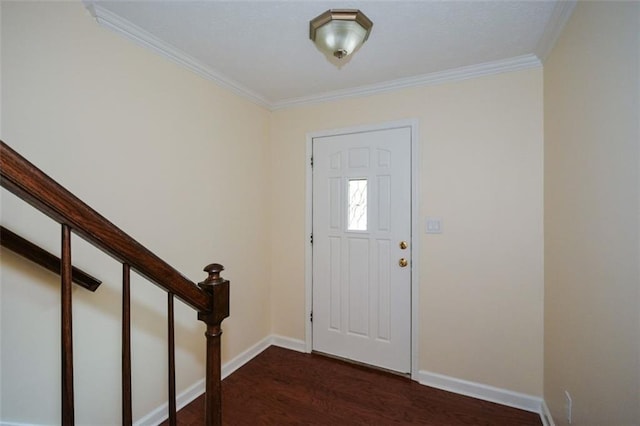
[434, 225]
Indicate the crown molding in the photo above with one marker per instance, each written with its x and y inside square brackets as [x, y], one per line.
[456, 74]
[559, 17]
[147, 40]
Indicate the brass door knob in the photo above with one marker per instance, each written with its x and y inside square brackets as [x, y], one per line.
[403, 245]
[403, 262]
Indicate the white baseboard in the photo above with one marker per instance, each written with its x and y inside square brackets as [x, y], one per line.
[246, 356]
[545, 415]
[183, 399]
[160, 413]
[475, 390]
[480, 391]
[289, 343]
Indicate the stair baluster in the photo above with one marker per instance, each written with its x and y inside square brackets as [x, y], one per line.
[66, 328]
[127, 418]
[209, 298]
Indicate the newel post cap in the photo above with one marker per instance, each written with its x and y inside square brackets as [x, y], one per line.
[214, 277]
[218, 289]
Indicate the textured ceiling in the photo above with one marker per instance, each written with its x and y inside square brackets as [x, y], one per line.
[262, 50]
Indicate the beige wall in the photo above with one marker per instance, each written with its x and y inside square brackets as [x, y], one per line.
[179, 163]
[481, 281]
[592, 304]
[172, 159]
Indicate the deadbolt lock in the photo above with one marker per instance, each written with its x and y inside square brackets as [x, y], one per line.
[403, 245]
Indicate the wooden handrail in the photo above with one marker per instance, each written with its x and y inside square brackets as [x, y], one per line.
[209, 298]
[28, 250]
[32, 185]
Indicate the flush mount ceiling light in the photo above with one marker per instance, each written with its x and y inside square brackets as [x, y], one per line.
[338, 32]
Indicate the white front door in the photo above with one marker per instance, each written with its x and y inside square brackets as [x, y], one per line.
[361, 241]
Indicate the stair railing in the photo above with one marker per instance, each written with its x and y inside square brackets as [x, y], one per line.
[28, 250]
[209, 298]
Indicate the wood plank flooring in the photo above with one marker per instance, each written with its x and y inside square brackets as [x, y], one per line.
[282, 387]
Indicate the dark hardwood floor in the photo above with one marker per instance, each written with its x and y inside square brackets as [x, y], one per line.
[282, 387]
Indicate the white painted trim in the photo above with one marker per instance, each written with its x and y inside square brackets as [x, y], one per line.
[232, 365]
[415, 228]
[289, 343]
[415, 249]
[475, 390]
[456, 74]
[481, 391]
[361, 129]
[159, 414]
[559, 17]
[545, 415]
[308, 248]
[147, 40]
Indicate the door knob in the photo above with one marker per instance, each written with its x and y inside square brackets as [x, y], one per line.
[403, 262]
[403, 245]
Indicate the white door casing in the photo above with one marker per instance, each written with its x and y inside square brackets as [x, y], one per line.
[361, 294]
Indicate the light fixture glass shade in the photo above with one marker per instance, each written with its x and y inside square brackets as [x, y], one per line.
[338, 32]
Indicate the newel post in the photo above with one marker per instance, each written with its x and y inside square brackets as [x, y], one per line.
[218, 288]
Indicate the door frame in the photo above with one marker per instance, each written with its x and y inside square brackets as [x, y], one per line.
[412, 124]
